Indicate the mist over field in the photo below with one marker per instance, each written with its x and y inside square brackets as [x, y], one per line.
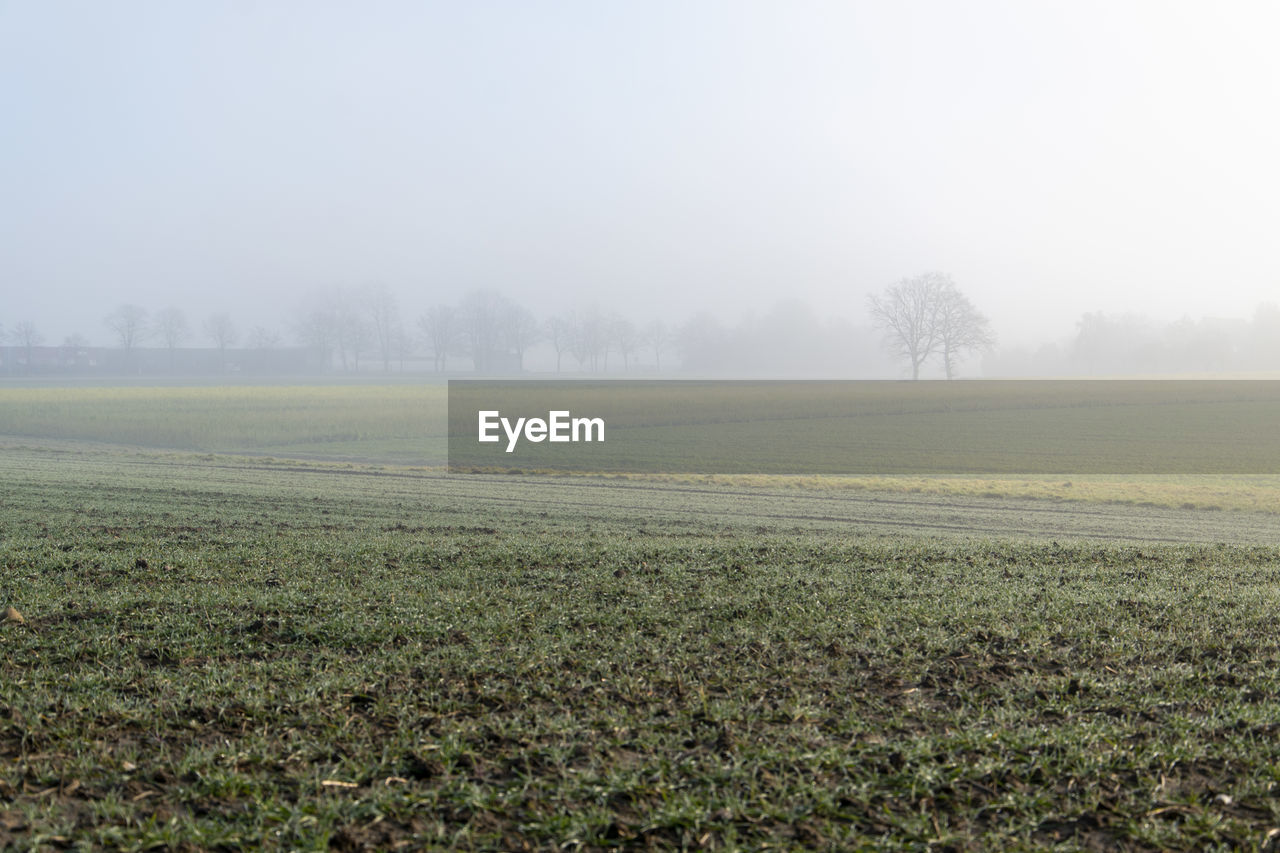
[717, 188]
[307, 546]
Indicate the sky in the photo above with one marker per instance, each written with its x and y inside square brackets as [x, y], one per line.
[654, 158]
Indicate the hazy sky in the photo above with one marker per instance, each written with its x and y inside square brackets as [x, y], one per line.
[655, 157]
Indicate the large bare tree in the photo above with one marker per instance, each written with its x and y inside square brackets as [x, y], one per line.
[907, 313]
[928, 315]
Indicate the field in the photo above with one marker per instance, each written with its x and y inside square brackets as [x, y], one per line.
[225, 650]
[406, 425]
[403, 424]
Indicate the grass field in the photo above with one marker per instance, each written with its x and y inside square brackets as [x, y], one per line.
[393, 423]
[227, 651]
[406, 425]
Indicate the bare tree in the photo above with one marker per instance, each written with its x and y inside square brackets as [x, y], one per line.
[73, 347]
[402, 343]
[658, 336]
[261, 338]
[26, 335]
[928, 314]
[519, 329]
[318, 329]
[907, 313]
[440, 327]
[560, 333]
[483, 330]
[961, 329]
[590, 339]
[171, 326]
[495, 331]
[625, 337]
[332, 322]
[129, 323]
[384, 321]
[353, 336]
[579, 340]
[222, 331]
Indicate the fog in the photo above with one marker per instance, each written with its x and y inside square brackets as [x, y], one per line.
[713, 161]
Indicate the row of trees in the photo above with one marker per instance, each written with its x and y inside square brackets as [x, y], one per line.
[1127, 344]
[487, 327]
[132, 325]
[492, 331]
[788, 340]
[919, 318]
[345, 324]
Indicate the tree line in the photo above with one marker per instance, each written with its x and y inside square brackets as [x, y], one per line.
[1126, 344]
[918, 319]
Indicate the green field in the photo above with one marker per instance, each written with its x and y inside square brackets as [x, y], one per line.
[406, 425]
[223, 650]
[398, 423]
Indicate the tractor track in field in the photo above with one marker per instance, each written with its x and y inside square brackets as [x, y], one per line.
[995, 526]
[863, 511]
[1047, 506]
[969, 516]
